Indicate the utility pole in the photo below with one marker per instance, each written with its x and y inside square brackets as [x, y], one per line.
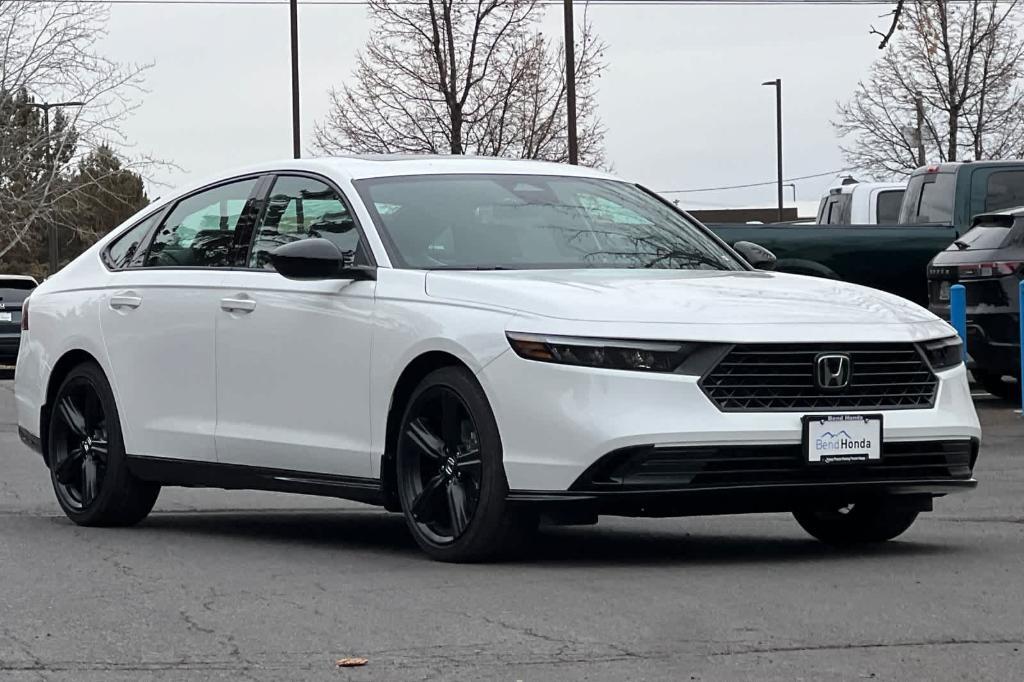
[570, 80]
[919, 106]
[296, 138]
[777, 84]
[51, 240]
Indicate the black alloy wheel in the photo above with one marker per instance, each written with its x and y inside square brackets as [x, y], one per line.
[446, 444]
[79, 446]
[451, 482]
[85, 451]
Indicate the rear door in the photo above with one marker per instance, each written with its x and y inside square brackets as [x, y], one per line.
[293, 357]
[158, 321]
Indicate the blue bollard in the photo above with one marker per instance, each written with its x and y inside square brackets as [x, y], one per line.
[958, 313]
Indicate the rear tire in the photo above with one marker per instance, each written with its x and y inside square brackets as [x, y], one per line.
[860, 523]
[450, 475]
[85, 451]
[994, 384]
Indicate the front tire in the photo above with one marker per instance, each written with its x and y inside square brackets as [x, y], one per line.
[85, 451]
[859, 523]
[451, 480]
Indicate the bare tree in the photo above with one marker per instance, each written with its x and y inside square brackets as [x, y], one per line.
[48, 52]
[465, 77]
[950, 82]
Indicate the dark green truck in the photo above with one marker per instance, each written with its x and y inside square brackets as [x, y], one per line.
[938, 206]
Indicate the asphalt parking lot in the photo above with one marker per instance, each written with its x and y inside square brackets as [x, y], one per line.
[240, 585]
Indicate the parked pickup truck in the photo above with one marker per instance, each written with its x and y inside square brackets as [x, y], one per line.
[937, 208]
[861, 203]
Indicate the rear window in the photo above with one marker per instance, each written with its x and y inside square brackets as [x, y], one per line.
[1005, 189]
[15, 290]
[929, 199]
[835, 209]
[985, 237]
[889, 205]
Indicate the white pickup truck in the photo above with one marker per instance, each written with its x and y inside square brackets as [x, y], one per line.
[861, 203]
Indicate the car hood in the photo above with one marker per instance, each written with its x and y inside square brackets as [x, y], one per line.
[677, 297]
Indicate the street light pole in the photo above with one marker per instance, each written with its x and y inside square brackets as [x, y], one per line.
[296, 138]
[570, 80]
[51, 245]
[777, 84]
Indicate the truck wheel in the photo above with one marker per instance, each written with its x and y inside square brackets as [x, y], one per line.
[860, 523]
[994, 384]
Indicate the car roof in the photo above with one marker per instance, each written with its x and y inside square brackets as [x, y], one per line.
[1015, 212]
[954, 166]
[20, 278]
[376, 166]
[851, 187]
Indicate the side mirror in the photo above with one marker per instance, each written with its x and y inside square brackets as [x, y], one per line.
[313, 259]
[755, 254]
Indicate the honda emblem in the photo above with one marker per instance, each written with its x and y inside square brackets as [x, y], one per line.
[832, 372]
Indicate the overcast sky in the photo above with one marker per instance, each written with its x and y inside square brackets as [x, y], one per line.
[681, 98]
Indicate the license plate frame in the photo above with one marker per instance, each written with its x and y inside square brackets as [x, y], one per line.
[837, 430]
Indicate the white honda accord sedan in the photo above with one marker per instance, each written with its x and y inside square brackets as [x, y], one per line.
[479, 344]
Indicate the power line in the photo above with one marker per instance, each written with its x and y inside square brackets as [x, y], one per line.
[611, 3]
[751, 184]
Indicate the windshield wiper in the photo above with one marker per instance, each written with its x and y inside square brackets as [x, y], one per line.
[470, 267]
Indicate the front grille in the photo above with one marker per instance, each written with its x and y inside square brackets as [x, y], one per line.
[775, 377]
[646, 468]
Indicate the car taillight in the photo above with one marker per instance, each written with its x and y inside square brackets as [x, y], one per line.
[24, 315]
[993, 269]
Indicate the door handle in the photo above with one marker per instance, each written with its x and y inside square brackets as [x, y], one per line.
[238, 305]
[125, 301]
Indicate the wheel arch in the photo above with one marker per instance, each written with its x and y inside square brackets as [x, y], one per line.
[68, 361]
[411, 376]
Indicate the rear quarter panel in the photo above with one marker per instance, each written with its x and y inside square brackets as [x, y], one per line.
[63, 316]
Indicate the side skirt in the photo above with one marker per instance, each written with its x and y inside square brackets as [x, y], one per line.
[191, 474]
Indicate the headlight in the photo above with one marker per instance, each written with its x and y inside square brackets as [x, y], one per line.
[944, 353]
[641, 356]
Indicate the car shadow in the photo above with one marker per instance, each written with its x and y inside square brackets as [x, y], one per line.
[581, 546]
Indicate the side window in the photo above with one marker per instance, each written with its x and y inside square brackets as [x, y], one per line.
[1005, 190]
[889, 206]
[200, 231]
[304, 208]
[122, 251]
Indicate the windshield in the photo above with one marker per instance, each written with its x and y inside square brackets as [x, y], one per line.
[533, 221]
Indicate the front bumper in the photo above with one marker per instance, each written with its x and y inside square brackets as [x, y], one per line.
[557, 421]
[750, 499]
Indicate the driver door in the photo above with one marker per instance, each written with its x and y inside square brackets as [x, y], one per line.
[293, 357]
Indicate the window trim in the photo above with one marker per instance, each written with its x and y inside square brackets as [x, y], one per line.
[264, 203]
[170, 206]
[144, 242]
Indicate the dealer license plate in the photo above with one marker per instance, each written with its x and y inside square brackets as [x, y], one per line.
[6, 317]
[842, 438]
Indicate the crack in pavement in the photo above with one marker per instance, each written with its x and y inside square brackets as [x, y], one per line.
[868, 645]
